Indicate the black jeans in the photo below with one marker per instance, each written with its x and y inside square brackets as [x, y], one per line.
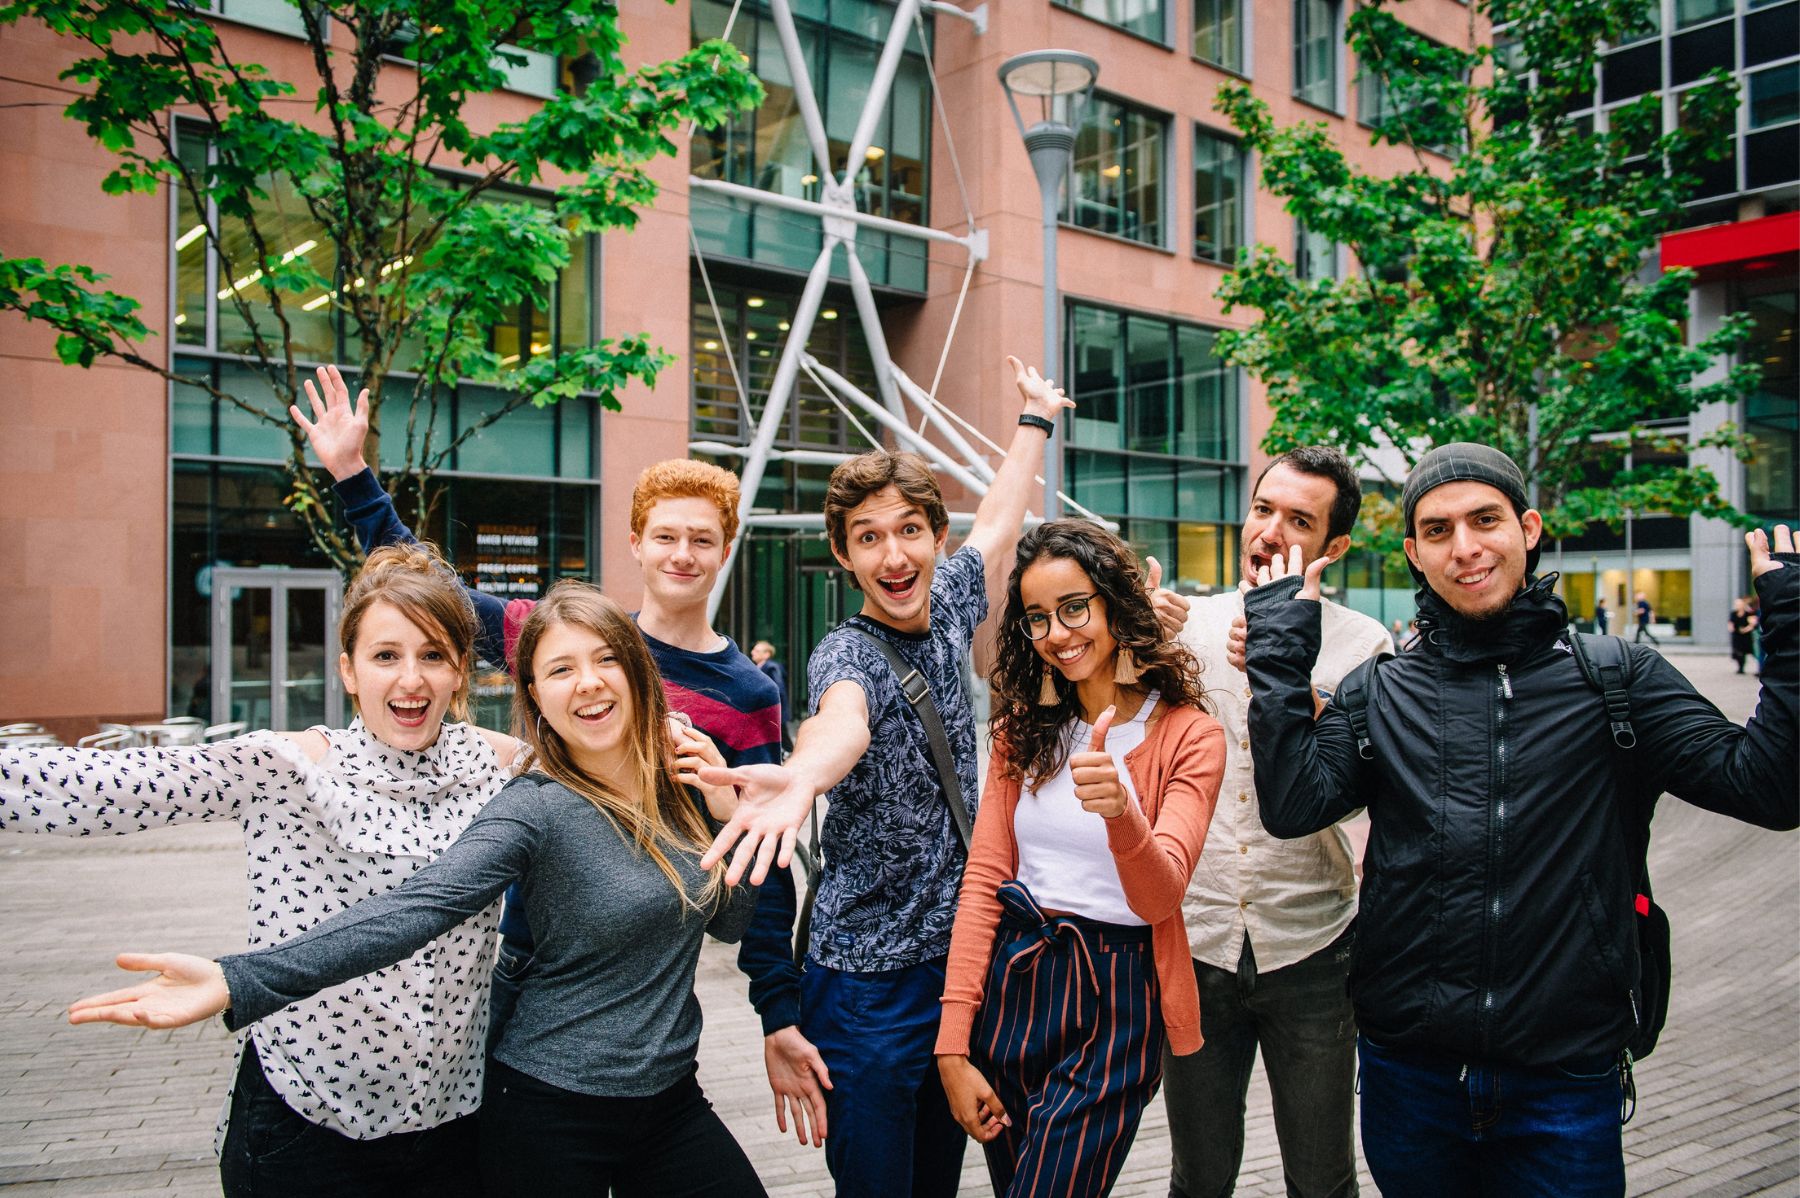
[1300, 1015]
[539, 1141]
[271, 1150]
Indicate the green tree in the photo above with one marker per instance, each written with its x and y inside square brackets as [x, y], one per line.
[423, 251]
[1507, 290]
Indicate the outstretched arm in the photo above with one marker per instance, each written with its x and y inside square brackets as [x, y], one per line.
[1001, 515]
[774, 800]
[1698, 755]
[336, 432]
[373, 934]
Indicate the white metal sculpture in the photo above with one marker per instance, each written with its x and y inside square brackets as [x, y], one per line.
[840, 221]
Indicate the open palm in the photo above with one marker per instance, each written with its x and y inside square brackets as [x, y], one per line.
[186, 989]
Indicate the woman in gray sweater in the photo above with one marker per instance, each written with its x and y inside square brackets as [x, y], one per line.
[592, 1085]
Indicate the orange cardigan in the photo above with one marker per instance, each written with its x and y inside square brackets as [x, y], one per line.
[1155, 843]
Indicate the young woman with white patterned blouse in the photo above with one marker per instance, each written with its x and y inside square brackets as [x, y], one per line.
[369, 1086]
[591, 1087]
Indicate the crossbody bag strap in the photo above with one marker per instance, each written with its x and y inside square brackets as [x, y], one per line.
[918, 694]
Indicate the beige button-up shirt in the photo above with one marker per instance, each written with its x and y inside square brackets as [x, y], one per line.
[1293, 897]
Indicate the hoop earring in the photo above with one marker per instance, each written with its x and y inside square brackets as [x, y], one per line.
[1125, 668]
[1047, 696]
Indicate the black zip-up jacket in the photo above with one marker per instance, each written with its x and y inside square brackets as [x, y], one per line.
[1496, 911]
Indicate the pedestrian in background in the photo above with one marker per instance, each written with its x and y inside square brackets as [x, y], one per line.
[1742, 623]
[1600, 615]
[762, 656]
[1644, 615]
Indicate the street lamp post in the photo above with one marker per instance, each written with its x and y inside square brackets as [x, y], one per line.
[1048, 76]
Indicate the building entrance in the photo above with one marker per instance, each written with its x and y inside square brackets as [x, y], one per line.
[274, 648]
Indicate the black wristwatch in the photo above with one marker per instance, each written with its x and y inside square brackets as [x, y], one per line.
[1027, 420]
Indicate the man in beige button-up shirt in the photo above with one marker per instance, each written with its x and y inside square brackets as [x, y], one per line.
[1268, 920]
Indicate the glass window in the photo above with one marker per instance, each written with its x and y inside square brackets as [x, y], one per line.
[1097, 481]
[1116, 185]
[1149, 387]
[1692, 12]
[1649, 24]
[1206, 397]
[1317, 49]
[1097, 372]
[1218, 197]
[757, 322]
[521, 442]
[1315, 255]
[1219, 33]
[244, 309]
[1775, 95]
[1142, 17]
[768, 149]
[191, 249]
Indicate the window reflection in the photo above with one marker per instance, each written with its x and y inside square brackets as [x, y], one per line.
[1116, 184]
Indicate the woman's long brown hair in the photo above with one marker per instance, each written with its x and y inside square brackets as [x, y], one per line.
[648, 806]
[1031, 736]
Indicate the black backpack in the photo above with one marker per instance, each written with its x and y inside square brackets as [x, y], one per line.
[1605, 664]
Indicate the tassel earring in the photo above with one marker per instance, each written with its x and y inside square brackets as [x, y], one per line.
[1125, 668]
[1047, 696]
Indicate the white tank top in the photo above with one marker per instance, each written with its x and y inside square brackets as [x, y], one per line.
[1063, 855]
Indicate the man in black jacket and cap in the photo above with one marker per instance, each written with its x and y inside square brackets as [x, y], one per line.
[1495, 975]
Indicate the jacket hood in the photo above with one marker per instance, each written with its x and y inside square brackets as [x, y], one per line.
[1534, 618]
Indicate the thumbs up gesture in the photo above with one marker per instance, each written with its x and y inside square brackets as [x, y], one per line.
[1096, 775]
[1171, 609]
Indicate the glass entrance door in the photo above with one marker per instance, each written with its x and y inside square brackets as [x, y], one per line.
[274, 648]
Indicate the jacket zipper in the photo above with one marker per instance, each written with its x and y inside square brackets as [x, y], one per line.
[1496, 852]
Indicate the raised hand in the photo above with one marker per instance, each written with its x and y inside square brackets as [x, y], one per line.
[337, 429]
[773, 801]
[1042, 396]
[1096, 774]
[1289, 566]
[1171, 609]
[185, 990]
[1758, 541]
[694, 750]
[798, 1076]
[973, 1102]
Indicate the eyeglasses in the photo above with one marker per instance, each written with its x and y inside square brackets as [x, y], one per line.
[1070, 613]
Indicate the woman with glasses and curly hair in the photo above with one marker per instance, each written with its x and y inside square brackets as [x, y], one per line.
[1069, 961]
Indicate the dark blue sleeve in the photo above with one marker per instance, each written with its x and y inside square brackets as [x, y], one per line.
[766, 954]
[370, 510]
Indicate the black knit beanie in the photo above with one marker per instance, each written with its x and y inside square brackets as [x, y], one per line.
[1466, 461]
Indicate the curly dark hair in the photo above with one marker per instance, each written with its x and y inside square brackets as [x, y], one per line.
[1030, 737]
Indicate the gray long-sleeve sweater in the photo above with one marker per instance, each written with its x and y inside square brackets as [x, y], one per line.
[608, 1007]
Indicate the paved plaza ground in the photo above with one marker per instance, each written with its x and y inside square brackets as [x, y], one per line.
[107, 1110]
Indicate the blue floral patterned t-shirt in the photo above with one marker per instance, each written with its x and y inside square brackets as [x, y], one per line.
[893, 863]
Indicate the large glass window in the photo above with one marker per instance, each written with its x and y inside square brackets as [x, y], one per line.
[1155, 434]
[1772, 413]
[1219, 33]
[1117, 183]
[768, 149]
[1142, 17]
[1692, 12]
[1318, 46]
[1219, 190]
[756, 325]
[1774, 96]
[223, 304]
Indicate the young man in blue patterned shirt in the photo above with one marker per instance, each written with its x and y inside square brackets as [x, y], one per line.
[867, 1000]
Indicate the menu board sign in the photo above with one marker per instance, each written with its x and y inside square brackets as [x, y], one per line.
[509, 560]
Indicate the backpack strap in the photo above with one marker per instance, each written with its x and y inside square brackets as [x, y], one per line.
[1605, 662]
[1352, 696]
[918, 694]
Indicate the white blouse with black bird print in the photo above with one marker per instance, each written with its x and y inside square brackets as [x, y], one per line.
[396, 1050]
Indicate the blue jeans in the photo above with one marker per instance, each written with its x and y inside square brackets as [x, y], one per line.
[891, 1133]
[1436, 1128]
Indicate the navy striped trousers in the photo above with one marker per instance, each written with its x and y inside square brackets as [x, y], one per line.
[1070, 1035]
